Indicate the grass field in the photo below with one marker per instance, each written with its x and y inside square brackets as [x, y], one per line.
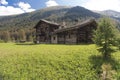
[52, 62]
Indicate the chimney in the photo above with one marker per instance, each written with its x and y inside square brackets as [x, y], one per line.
[64, 24]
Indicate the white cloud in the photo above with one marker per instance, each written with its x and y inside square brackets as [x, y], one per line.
[4, 2]
[25, 6]
[10, 10]
[50, 3]
[102, 5]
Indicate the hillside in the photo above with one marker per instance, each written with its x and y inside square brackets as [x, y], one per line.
[57, 14]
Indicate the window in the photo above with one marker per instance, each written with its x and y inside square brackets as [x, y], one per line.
[54, 38]
[46, 28]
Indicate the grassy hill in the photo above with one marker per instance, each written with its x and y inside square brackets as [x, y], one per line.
[53, 62]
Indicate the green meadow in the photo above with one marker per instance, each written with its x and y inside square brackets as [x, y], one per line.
[53, 62]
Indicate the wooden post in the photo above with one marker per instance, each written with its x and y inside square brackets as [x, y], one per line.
[64, 37]
[77, 36]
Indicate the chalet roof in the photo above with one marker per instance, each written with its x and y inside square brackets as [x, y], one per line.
[82, 24]
[48, 22]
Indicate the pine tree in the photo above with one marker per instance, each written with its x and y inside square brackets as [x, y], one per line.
[6, 36]
[29, 35]
[104, 36]
[22, 36]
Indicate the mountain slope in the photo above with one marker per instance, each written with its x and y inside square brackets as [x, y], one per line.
[30, 19]
[80, 12]
[111, 13]
[57, 14]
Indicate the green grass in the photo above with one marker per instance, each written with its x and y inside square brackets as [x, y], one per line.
[52, 62]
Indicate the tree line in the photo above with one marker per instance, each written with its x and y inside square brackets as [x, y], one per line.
[17, 35]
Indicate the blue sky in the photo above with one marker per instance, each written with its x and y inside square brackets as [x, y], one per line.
[11, 7]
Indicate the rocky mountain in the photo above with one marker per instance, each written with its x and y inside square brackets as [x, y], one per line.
[80, 12]
[56, 14]
[110, 13]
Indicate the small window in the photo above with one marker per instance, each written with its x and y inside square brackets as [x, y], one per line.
[54, 38]
[46, 28]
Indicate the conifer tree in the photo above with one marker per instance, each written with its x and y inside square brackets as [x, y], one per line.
[22, 36]
[6, 36]
[104, 36]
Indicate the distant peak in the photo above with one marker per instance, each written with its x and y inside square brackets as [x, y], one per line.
[110, 11]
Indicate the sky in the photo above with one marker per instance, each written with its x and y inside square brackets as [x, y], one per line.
[12, 7]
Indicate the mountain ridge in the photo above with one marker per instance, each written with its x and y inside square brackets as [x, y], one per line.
[57, 14]
[110, 13]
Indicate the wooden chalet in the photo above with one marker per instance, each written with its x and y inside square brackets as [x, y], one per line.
[48, 32]
[44, 29]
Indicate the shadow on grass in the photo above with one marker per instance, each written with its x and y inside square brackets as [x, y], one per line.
[25, 44]
[1, 77]
[97, 61]
[50, 44]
